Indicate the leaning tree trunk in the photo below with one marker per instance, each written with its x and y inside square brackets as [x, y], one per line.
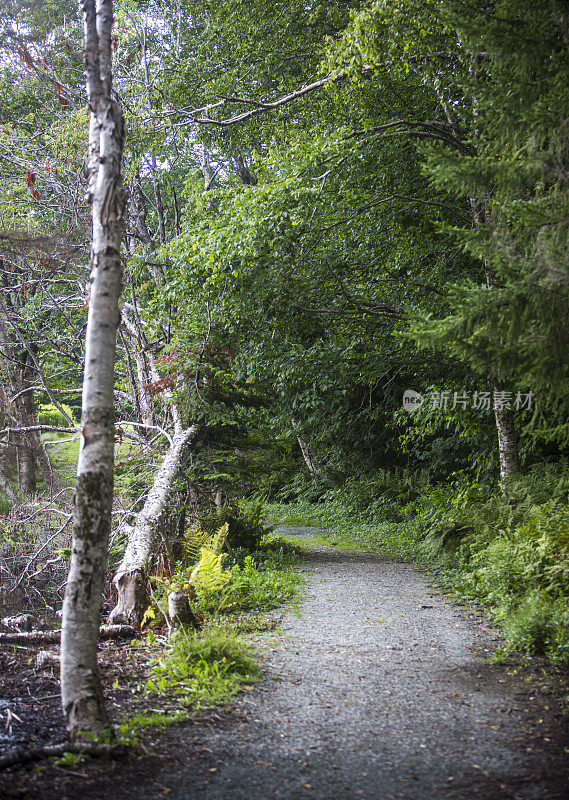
[81, 691]
[306, 448]
[131, 577]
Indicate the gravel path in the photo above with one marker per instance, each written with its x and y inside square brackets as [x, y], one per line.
[379, 692]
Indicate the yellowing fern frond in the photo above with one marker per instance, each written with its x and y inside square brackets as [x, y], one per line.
[197, 539]
[208, 575]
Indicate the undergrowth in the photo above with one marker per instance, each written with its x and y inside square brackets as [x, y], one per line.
[221, 582]
[231, 589]
[198, 670]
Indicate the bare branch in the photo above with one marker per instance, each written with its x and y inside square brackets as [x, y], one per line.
[261, 106]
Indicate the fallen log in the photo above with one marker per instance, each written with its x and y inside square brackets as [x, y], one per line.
[21, 622]
[47, 659]
[54, 637]
[25, 755]
[131, 579]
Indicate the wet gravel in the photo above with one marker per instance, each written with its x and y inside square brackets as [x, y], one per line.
[377, 689]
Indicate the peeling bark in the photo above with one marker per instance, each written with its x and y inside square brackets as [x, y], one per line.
[131, 577]
[81, 692]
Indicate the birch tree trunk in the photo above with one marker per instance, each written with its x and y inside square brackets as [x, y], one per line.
[143, 371]
[508, 451]
[81, 691]
[131, 577]
[507, 441]
[26, 468]
[308, 453]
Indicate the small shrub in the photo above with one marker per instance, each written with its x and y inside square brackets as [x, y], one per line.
[530, 627]
[237, 581]
[246, 526]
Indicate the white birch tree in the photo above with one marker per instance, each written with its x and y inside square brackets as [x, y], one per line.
[82, 698]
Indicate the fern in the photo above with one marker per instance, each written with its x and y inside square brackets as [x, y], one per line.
[208, 575]
[218, 539]
[196, 540]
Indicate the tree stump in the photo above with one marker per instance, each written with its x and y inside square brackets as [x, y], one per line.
[179, 611]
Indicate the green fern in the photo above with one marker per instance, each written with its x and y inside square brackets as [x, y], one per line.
[197, 539]
[208, 574]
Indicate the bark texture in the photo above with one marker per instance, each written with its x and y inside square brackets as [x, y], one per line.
[507, 442]
[307, 449]
[54, 637]
[81, 691]
[180, 612]
[131, 577]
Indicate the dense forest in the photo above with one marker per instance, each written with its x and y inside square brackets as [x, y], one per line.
[339, 232]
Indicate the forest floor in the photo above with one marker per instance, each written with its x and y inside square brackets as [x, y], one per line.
[379, 688]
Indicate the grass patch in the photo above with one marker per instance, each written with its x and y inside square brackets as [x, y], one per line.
[202, 670]
[199, 671]
[129, 731]
[395, 539]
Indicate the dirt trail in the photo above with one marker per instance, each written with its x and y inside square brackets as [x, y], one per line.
[378, 690]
